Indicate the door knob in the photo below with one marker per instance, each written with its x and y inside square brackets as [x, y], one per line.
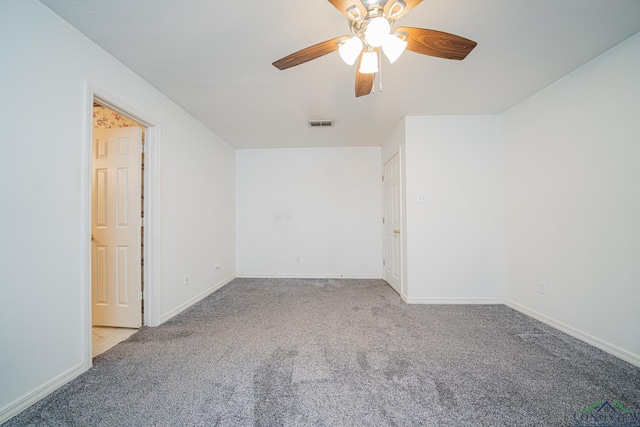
[93, 238]
[396, 231]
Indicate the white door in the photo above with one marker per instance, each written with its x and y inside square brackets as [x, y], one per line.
[116, 227]
[391, 218]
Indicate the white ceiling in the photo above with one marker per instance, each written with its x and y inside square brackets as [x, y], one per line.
[214, 58]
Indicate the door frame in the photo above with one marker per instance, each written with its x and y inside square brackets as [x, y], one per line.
[152, 211]
[402, 223]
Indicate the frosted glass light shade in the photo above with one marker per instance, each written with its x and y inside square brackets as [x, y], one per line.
[369, 63]
[350, 50]
[393, 47]
[377, 31]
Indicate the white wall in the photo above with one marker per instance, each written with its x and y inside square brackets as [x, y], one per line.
[45, 64]
[395, 142]
[309, 212]
[455, 241]
[198, 208]
[572, 156]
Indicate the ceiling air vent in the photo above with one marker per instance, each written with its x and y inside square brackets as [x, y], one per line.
[320, 123]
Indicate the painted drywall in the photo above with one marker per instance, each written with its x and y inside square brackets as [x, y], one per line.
[394, 142]
[309, 212]
[454, 235]
[45, 66]
[572, 180]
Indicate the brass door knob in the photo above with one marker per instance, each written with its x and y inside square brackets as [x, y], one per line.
[93, 238]
[396, 231]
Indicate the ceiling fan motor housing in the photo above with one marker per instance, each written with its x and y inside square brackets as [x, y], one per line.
[374, 3]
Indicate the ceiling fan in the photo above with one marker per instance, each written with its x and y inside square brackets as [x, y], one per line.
[371, 22]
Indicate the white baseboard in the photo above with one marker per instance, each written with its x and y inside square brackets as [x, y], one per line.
[634, 359]
[427, 300]
[29, 399]
[306, 276]
[182, 307]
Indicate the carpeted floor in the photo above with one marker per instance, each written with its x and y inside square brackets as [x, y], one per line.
[270, 352]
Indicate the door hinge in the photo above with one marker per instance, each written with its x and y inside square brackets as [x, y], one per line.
[141, 295]
[384, 262]
[141, 222]
[383, 220]
[142, 148]
[382, 178]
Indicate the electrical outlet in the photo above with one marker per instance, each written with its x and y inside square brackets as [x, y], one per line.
[542, 288]
[186, 280]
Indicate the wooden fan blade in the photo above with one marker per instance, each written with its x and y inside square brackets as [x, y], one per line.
[437, 43]
[409, 4]
[364, 82]
[343, 5]
[312, 52]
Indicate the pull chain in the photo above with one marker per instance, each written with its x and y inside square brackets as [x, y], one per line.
[380, 71]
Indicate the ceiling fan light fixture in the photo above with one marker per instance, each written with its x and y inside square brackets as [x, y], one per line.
[377, 31]
[350, 50]
[393, 47]
[369, 63]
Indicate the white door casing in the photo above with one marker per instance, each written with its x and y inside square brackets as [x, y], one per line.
[391, 223]
[116, 227]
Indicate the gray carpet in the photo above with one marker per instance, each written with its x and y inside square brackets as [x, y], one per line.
[271, 352]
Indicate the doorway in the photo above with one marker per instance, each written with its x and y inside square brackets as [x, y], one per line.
[149, 230]
[391, 208]
[116, 228]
